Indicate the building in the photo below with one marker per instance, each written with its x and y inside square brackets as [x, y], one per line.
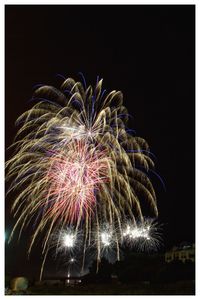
[182, 253]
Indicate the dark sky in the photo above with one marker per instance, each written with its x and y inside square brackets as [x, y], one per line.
[147, 52]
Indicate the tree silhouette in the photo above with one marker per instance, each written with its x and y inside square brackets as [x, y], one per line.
[104, 271]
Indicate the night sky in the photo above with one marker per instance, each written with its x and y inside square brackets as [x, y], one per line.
[148, 53]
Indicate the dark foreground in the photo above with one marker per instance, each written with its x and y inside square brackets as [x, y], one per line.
[178, 288]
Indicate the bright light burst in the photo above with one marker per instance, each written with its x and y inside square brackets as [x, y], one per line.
[145, 236]
[68, 240]
[65, 242]
[105, 239]
[78, 165]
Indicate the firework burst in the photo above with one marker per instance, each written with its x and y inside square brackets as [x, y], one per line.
[145, 236]
[79, 167]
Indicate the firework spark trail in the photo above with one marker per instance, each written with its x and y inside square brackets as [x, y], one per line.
[72, 179]
[78, 165]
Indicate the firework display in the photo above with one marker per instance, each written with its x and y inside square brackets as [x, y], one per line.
[81, 174]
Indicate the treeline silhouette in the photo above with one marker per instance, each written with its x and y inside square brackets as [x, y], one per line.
[137, 267]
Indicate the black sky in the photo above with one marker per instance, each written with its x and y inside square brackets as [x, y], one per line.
[147, 52]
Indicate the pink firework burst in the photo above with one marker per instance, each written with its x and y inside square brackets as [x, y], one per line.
[75, 174]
